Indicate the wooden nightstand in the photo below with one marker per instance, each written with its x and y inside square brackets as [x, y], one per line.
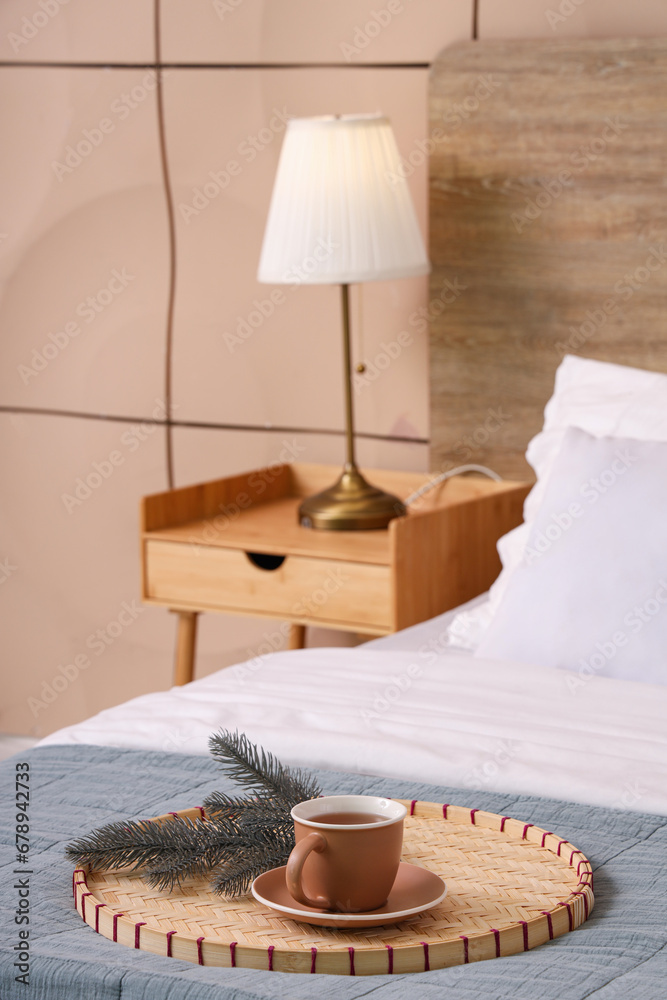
[234, 546]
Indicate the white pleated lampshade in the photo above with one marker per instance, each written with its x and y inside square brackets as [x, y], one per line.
[340, 212]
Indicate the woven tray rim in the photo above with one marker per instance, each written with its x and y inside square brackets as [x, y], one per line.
[524, 935]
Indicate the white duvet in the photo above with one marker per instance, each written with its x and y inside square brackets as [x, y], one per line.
[445, 719]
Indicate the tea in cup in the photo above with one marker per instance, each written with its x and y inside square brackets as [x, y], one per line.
[347, 853]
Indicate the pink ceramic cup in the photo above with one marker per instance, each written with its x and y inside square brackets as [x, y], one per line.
[344, 861]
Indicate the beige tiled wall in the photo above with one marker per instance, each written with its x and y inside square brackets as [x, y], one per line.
[238, 357]
[77, 31]
[571, 18]
[312, 31]
[85, 284]
[85, 272]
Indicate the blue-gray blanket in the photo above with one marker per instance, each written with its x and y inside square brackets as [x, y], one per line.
[620, 952]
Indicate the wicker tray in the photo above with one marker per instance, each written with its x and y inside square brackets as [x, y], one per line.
[511, 887]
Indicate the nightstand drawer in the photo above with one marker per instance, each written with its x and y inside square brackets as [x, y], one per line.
[317, 590]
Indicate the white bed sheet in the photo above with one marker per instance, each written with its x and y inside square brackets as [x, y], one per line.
[432, 635]
[441, 718]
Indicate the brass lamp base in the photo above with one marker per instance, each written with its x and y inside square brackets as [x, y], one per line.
[351, 504]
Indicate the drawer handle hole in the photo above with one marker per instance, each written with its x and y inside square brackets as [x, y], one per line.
[265, 561]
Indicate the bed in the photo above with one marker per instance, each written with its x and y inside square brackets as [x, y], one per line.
[544, 700]
[420, 715]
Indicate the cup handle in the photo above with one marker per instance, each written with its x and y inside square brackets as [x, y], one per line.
[297, 859]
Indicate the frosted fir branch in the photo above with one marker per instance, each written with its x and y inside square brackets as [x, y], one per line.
[236, 876]
[239, 839]
[260, 770]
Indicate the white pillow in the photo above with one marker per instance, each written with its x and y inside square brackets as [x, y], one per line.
[604, 399]
[590, 594]
[601, 398]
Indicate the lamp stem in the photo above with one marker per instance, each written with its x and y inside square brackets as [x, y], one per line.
[350, 462]
[351, 503]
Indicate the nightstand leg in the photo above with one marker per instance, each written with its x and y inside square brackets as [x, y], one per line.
[297, 637]
[186, 641]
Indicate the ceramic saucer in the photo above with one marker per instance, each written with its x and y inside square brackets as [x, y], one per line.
[414, 890]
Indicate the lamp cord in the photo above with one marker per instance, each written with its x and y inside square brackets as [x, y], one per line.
[459, 470]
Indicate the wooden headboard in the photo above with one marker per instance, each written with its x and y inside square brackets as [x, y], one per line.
[548, 230]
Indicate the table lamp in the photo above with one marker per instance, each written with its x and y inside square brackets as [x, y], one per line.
[341, 213]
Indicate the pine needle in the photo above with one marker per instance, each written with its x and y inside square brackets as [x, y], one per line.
[236, 877]
[259, 770]
[137, 843]
[239, 839]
